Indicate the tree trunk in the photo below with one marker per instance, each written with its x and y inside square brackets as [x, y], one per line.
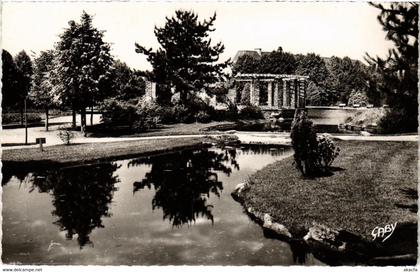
[183, 97]
[91, 115]
[21, 116]
[83, 120]
[46, 118]
[73, 125]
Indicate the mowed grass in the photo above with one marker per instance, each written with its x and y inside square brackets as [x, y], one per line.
[374, 183]
[98, 151]
[164, 130]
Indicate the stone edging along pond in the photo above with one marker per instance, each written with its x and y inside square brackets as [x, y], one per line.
[335, 247]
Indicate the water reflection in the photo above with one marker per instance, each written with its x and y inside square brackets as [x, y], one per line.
[81, 196]
[183, 186]
[274, 150]
[184, 181]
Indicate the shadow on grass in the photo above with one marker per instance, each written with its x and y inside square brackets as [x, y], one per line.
[17, 144]
[328, 173]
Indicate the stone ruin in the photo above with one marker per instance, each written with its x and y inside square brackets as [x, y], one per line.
[150, 90]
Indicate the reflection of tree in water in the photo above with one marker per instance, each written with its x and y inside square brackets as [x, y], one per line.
[13, 169]
[183, 182]
[81, 196]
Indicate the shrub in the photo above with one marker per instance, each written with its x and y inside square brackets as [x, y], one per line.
[251, 112]
[327, 151]
[65, 134]
[313, 155]
[305, 144]
[182, 114]
[188, 111]
[202, 117]
[14, 118]
[118, 112]
[166, 114]
[139, 115]
[358, 97]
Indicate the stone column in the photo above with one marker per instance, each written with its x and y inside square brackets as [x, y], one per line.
[292, 90]
[276, 95]
[270, 93]
[256, 93]
[301, 101]
[286, 99]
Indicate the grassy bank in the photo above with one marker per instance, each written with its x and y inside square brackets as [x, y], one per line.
[373, 184]
[78, 153]
[165, 130]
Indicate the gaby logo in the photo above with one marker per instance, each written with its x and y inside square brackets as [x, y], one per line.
[387, 231]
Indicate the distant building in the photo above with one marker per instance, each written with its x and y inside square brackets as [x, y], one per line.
[256, 53]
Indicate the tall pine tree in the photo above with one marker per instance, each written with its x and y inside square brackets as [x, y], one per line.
[398, 71]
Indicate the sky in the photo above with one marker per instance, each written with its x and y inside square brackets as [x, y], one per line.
[328, 28]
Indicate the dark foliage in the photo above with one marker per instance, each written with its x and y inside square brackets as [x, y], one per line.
[186, 60]
[81, 196]
[10, 80]
[251, 112]
[184, 182]
[304, 144]
[127, 83]
[398, 72]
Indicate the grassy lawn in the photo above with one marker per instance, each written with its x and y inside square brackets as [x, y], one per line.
[77, 153]
[374, 183]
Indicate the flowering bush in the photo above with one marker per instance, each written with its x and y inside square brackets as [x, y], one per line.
[327, 150]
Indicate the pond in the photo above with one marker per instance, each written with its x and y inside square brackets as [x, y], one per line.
[171, 209]
[325, 120]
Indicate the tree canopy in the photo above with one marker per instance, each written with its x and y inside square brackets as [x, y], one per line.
[346, 75]
[127, 83]
[186, 61]
[278, 62]
[25, 71]
[10, 95]
[42, 90]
